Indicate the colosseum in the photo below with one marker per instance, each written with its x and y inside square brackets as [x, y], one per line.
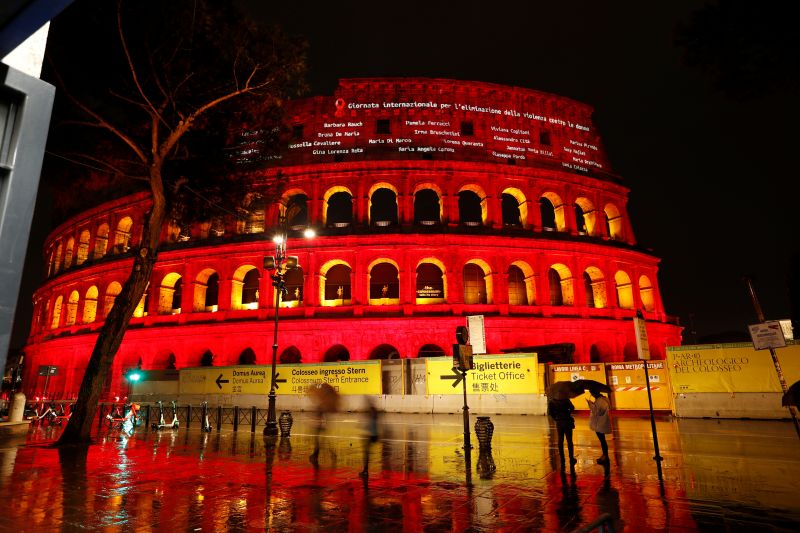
[432, 200]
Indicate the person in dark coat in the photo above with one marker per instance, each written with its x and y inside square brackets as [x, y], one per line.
[561, 412]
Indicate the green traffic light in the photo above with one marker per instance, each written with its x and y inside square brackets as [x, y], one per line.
[134, 376]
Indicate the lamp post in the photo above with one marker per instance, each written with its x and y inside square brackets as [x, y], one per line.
[278, 265]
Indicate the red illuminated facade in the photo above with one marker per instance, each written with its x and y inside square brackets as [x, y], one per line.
[432, 200]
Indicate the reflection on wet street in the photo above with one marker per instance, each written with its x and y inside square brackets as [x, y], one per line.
[718, 475]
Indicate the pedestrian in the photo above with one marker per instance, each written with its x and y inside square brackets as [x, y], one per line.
[560, 410]
[600, 421]
[371, 436]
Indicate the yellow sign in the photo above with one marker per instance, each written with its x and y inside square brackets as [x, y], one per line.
[493, 374]
[730, 368]
[594, 371]
[629, 388]
[362, 377]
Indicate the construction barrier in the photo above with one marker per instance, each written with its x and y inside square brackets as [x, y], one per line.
[629, 388]
[594, 371]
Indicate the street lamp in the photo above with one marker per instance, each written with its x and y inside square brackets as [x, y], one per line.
[278, 265]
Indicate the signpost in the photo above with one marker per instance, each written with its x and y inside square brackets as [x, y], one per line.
[643, 351]
[47, 371]
[477, 334]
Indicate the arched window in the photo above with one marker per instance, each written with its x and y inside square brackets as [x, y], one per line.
[594, 285]
[511, 214]
[247, 357]
[646, 293]
[83, 247]
[122, 237]
[56, 321]
[244, 288]
[337, 353]
[584, 216]
[383, 207]
[340, 210]
[57, 258]
[113, 290]
[430, 284]
[384, 351]
[474, 284]
[294, 288]
[517, 289]
[101, 241]
[291, 355]
[548, 213]
[144, 302]
[469, 208]
[72, 308]
[624, 290]
[297, 211]
[169, 295]
[207, 359]
[206, 292]
[384, 284]
[255, 216]
[337, 286]
[613, 222]
[560, 282]
[90, 305]
[68, 253]
[430, 350]
[427, 208]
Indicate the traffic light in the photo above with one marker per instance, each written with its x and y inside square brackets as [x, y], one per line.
[134, 375]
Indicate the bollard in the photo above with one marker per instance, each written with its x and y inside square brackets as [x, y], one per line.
[484, 429]
[285, 422]
[253, 419]
[235, 418]
[219, 417]
[17, 410]
[188, 415]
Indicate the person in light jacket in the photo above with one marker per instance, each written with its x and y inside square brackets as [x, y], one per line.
[600, 421]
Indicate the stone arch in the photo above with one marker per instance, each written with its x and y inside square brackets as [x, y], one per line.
[72, 308]
[594, 284]
[431, 281]
[101, 241]
[83, 247]
[244, 293]
[112, 291]
[585, 216]
[600, 352]
[169, 294]
[90, 305]
[335, 283]
[521, 284]
[477, 282]
[624, 290]
[514, 207]
[293, 281]
[256, 215]
[294, 206]
[561, 285]
[247, 357]
[338, 207]
[383, 204]
[291, 355]
[207, 359]
[614, 226]
[472, 205]
[68, 252]
[57, 257]
[56, 319]
[336, 352]
[122, 237]
[206, 291]
[383, 278]
[552, 210]
[646, 293]
[428, 205]
[384, 351]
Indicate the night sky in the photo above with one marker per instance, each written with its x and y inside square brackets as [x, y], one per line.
[712, 181]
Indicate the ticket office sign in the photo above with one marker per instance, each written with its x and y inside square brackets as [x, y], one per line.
[492, 374]
[363, 377]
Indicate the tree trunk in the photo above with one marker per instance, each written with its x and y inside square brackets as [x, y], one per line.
[116, 323]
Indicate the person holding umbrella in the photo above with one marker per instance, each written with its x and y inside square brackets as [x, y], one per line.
[560, 410]
[600, 420]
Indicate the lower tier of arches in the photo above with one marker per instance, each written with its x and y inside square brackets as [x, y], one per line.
[316, 340]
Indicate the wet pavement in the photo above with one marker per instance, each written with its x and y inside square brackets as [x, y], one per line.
[718, 476]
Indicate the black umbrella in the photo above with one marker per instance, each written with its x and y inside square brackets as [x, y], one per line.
[565, 390]
[792, 396]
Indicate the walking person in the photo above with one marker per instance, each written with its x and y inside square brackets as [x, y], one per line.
[371, 436]
[560, 410]
[600, 420]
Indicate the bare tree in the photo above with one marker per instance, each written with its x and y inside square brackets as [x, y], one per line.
[186, 63]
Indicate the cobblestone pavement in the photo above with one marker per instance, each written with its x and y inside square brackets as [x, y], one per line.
[718, 476]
